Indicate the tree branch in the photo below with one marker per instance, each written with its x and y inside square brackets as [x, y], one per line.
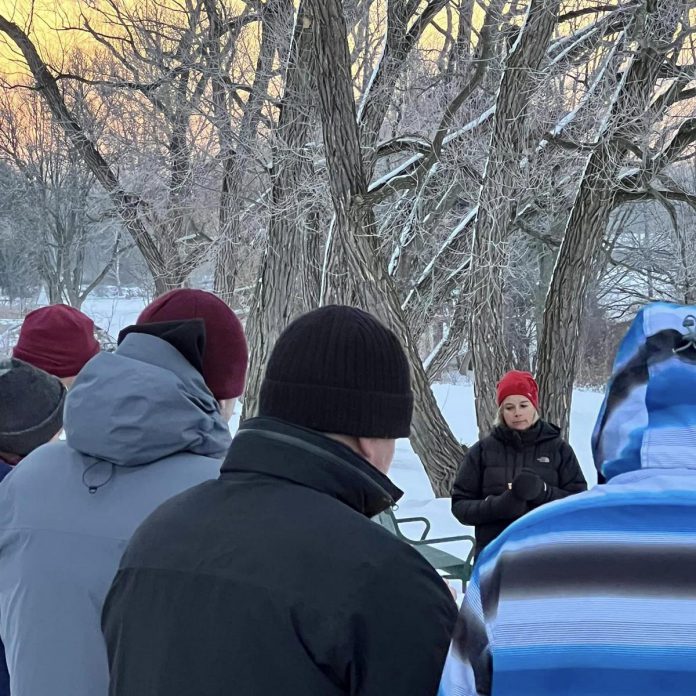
[127, 204]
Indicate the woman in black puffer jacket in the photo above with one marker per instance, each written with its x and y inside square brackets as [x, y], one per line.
[521, 465]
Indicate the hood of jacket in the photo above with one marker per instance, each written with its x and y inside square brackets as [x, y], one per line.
[648, 417]
[141, 403]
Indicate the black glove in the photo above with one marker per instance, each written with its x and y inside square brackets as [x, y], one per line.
[507, 506]
[528, 486]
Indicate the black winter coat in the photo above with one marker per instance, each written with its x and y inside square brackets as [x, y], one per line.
[490, 466]
[273, 580]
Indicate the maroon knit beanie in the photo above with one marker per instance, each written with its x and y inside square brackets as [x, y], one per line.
[226, 355]
[56, 339]
[515, 383]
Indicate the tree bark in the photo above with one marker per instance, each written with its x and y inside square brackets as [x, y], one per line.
[497, 201]
[355, 233]
[448, 348]
[274, 304]
[399, 43]
[236, 159]
[461, 46]
[653, 30]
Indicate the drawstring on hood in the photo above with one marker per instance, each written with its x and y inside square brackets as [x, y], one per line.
[91, 487]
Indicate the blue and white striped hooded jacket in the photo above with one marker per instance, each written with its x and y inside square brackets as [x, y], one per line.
[595, 595]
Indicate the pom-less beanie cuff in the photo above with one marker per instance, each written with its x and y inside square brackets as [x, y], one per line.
[25, 441]
[31, 407]
[340, 411]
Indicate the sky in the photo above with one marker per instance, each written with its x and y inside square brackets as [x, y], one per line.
[57, 26]
[53, 25]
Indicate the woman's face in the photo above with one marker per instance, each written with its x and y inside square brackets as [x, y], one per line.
[518, 413]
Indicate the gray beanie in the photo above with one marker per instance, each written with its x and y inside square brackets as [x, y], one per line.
[31, 407]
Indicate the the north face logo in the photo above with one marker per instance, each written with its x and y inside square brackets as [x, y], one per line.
[543, 460]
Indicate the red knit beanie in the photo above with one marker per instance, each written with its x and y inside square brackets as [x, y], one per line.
[57, 339]
[226, 354]
[515, 383]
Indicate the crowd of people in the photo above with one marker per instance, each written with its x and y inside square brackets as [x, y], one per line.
[144, 551]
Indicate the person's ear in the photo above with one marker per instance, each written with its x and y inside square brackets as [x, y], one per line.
[379, 452]
[227, 408]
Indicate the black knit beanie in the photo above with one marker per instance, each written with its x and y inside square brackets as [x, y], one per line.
[339, 370]
[31, 407]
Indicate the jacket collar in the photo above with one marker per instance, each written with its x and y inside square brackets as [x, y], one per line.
[275, 448]
[541, 431]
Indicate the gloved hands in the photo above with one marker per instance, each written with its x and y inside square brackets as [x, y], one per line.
[508, 506]
[529, 486]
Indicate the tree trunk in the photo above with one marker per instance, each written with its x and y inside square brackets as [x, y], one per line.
[496, 209]
[311, 259]
[355, 233]
[274, 304]
[462, 45]
[653, 28]
[448, 348]
[399, 43]
[277, 16]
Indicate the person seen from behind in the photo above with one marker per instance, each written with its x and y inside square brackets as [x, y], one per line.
[31, 414]
[595, 594]
[57, 339]
[141, 424]
[273, 579]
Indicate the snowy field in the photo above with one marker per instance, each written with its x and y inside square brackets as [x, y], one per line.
[113, 313]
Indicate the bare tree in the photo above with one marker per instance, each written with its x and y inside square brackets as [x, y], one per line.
[238, 149]
[52, 204]
[510, 138]
[173, 67]
[355, 225]
[632, 112]
[474, 179]
[275, 299]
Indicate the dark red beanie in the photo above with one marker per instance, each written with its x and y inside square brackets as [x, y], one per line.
[516, 383]
[226, 354]
[57, 339]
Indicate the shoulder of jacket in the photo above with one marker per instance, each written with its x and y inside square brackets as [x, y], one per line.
[491, 442]
[47, 456]
[401, 561]
[480, 445]
[564, 446]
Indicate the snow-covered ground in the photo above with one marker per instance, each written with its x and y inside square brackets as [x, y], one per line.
[113, 313]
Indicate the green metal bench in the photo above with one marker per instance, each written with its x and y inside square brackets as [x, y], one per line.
[450, 566]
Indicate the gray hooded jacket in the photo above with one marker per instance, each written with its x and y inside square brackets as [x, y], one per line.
[141, 426]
